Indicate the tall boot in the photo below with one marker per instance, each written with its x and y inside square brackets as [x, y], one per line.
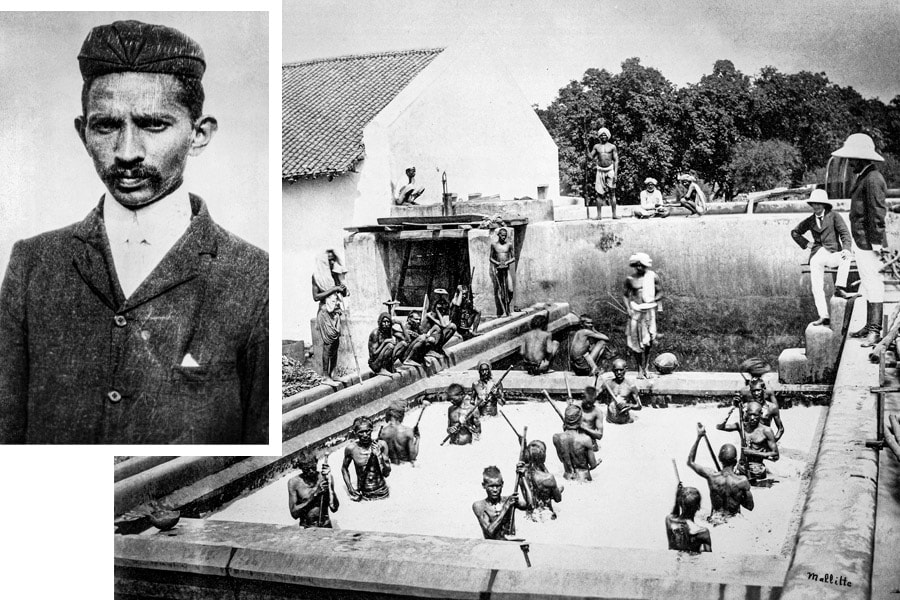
[874, 335]
[865, 330]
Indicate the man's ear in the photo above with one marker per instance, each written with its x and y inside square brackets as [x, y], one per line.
[79, 129]
[204, 129]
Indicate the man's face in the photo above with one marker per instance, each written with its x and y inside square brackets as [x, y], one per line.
[818, 209]
[619, 373]
[138, 134]
[385, 324]
[413, 321]
[857, 164]
[651, 187]
[501, 235]
[754, 413]
[589, 399]
[332, 257]
[484, 372]
[456, 398]
[756, 393]
[603, 138]
[364, 435]
[587, 324]
[493, 486]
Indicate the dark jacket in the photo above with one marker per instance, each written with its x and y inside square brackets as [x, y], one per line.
[81, 364]
[833, 235]
[867, 208]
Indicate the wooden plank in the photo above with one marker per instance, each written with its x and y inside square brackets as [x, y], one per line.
[412, 220]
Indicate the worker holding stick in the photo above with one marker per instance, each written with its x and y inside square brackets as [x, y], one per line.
[728, 491]
[496, 513]
[683, 534]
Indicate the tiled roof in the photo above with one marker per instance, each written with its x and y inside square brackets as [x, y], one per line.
[326, 103]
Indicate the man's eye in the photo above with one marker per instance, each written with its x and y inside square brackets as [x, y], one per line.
[103, 127]
[155, 126]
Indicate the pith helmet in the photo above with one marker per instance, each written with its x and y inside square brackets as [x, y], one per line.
[858, 145]
[820, 197]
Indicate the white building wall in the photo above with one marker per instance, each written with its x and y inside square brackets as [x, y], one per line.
[314, 214]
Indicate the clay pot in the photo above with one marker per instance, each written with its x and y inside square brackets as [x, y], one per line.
[165, 520]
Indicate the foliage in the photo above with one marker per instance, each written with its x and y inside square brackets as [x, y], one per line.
[764, 165]
[715, 128]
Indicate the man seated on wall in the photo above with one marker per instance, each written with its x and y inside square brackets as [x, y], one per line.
[383, 346]
[588, 346]
[437, 320]
[538, 347]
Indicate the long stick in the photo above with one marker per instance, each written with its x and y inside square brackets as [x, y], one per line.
[352, 347]
[677, 476]
[512, 517]
[711, 453]
[325, 500]
[568, 389]
[550, 401]
[422, 412]
[505, 418]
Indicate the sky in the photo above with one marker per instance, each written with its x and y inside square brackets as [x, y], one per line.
[546, 44]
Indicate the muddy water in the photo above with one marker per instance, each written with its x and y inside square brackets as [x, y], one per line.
[625, 505]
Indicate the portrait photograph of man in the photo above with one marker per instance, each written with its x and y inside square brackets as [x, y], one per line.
[134, 305]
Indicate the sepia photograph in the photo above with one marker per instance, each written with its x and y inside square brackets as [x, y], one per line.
[579, 299]
[134, 228]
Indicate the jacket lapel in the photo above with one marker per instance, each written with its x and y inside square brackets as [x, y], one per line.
[183, 261]
[92, 259]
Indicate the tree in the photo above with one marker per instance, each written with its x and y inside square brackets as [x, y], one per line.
[763, 165]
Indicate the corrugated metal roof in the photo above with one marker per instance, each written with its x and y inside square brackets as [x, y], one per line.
[326, 103]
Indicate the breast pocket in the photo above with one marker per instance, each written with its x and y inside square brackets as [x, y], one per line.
[209, 396]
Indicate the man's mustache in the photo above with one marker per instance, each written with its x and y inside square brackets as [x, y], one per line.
[142, 172]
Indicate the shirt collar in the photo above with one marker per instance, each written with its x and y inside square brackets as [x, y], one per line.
[160, 222]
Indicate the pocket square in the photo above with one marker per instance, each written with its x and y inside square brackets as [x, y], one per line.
[188, 361]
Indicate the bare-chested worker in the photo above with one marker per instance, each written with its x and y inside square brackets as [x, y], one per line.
[588, 346]
[463, 422]
[541, 484]
[642, 294]
[728, 491]
[502, 256]
[437, 323]
[382, 346]
[574, 447]
[486, 391]
[495, 512]
[620, 395]
[463, 313]
[402, 441]
[591, 419]
[606, 157]
[311, 494]
[370, 459]
[759, 440]
[538, 347]
[410, 192]
[683, 534]
[756, 391]
[417, 343]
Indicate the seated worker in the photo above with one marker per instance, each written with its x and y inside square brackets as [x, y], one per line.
[587, 348]
[437, 322]
[831, 247]
[382, 346]
[728, 491]
[542, 486]
[651, 202]
[620, 395]
[683, 534]
[755, 391]
[463, 313]
[410, 192]
[538, 347]
[311, 494]
[495, 513]
[692, 197]
[574, 447]
[417, 343]
[370, 461]
[485, 392]
[402, 441]
[591, 421]
[463, 423]
[760, 444]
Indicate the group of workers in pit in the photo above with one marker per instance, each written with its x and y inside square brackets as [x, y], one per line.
[312, 497]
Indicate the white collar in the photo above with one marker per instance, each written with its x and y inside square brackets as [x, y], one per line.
[162, 222]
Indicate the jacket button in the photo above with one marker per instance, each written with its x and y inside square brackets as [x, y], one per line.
[114, 396]
[120, 321]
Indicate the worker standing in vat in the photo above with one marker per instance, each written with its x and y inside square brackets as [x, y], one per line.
[574, 447]
[642, 294]
[485, 392]
[402, 441]
[591, 419]
[620, 395]
[867, 211]
[328, 289]
[759, 443]
[756, 391]
[606, 157]
[502, 256]
[538, 347]
[542, 486]
[683, 534]
[311, 494]
[587, 347]
[370, 460]
[830, 248]
[495, 512]
[728, 491]
[463, 424]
